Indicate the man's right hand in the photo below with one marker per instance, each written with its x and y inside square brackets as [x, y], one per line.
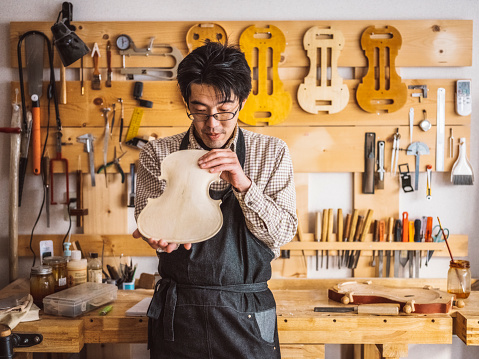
[160, 243]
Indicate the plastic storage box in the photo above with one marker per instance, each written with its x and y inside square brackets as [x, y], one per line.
[80, 299]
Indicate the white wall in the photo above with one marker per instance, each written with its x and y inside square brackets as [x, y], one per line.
[456, 205]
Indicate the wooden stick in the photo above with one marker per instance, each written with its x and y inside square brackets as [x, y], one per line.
[445, 239]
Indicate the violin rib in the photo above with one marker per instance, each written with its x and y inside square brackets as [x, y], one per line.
[185, 212]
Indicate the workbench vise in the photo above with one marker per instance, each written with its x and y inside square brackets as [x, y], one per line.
[9, 340]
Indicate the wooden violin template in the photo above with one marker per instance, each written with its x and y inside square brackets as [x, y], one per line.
[200, 34]
[268, 101]
[411, 300]
[323, 90]
[185, 212]
[381, 90]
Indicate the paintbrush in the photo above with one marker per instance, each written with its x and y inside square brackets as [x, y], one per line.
[96, 81]
[462, 173]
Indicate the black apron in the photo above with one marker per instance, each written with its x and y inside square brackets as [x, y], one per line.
[213, 301]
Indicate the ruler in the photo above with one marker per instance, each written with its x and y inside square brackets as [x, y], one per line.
[440, 128]
[134, 123]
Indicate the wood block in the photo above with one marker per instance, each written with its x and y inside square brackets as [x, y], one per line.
[302, 351]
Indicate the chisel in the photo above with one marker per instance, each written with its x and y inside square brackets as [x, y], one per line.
[403, 256]
[390, 239]
[317, 235]
[330, 233]
[410, 254]
[365, 231]
[324, 232]
[374, 309]
[381, 253]
[417, 238]
[375, 239]
[397, 238]
[357, 234]
[352, 231]
[347, 228]
[339, 234]
[428, 238]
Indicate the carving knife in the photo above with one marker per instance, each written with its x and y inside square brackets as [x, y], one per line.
[357, 234]
[324, 232]
[365, 231]
[330, 233]
[382, 226]
[410, 254]
[403, 255]
[347, 228]
[352, 231]
[317, 236]
[428, 238]
[339, 233]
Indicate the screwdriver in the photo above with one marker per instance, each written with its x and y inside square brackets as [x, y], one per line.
[417, 238]
[397, 238]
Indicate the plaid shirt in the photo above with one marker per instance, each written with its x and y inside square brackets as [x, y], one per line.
[269, 205]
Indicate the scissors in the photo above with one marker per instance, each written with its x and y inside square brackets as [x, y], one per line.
[116, 162]
[437, 236]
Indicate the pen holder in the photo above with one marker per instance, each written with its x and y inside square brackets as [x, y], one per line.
[128, 285]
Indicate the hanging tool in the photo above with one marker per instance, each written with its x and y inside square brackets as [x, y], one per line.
[131, 202]
[417, 238]
[46, 173]
[428, 181]
[87, 139]
[116, 162]
[411, 123]
[451, 144]
[96, 80]
[352, 235]
[370, 309]
[381, 253]
[422, 236]
[364, 232]
[422, 94]
[79, 211]
[440, 128]
[425, 124]
[24, 144]
[105, 111]
[397, 238]
[417, 149]
[339, 234]
[462, 172]
[317, 236]
[34, 54]
[380, 171]
[120, 100]
[64, 162]
[81, 78]
[113, 113]
[405, 178]
[108, 62]
[428, 235]
[395, 152]
[403, 255]
[369, 160]
[390, 239]
[410, 254]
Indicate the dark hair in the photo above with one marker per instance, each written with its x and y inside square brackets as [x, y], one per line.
[222, 66]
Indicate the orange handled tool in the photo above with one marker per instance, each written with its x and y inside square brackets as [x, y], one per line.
[405, 227]
[36, 139]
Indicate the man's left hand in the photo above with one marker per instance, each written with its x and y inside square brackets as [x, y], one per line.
[226, 162]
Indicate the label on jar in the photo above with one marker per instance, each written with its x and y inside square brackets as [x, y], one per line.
[95, 275]
[76, 277]
[62, 281]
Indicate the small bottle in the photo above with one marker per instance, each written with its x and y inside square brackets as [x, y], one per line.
[59, 271]
[42, 284]
[67, 252]
[95, 273]
[77, 269]
[459, 279]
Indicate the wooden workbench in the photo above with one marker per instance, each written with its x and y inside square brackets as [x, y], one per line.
[302, 332]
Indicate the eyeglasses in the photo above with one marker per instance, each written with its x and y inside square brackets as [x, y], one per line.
[219, 116]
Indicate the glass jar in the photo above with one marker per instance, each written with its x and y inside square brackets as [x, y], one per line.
[95, 273]
[42, 284]
[459, 279]
[59, 271]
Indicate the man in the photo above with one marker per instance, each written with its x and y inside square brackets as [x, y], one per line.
[213, 300]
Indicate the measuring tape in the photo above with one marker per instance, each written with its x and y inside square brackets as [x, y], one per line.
[134, 123]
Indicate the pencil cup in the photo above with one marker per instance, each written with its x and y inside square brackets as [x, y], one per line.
[129, 285]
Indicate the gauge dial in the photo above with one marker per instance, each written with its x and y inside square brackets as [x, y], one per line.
[123, 42]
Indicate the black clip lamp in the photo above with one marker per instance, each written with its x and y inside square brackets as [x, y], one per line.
[69, 46]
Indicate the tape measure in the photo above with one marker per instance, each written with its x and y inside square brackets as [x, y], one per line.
[134, 123]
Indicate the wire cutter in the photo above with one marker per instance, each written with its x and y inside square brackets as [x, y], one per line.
[116, 162]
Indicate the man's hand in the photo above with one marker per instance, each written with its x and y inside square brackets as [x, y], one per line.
[161, 243]
[226, 162]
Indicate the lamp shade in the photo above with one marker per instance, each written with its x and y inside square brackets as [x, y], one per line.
[69, 46]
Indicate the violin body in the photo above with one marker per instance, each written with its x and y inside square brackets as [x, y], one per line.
[268, 102]
[318, 92]
[381, 90]
[411, 300]
[185, 212]
[200, 34]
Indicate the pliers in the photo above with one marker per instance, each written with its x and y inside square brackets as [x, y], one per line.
[116, 162]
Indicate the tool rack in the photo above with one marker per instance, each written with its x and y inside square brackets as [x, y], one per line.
[318, 143]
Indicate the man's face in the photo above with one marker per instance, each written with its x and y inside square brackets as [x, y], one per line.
[204, 100]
